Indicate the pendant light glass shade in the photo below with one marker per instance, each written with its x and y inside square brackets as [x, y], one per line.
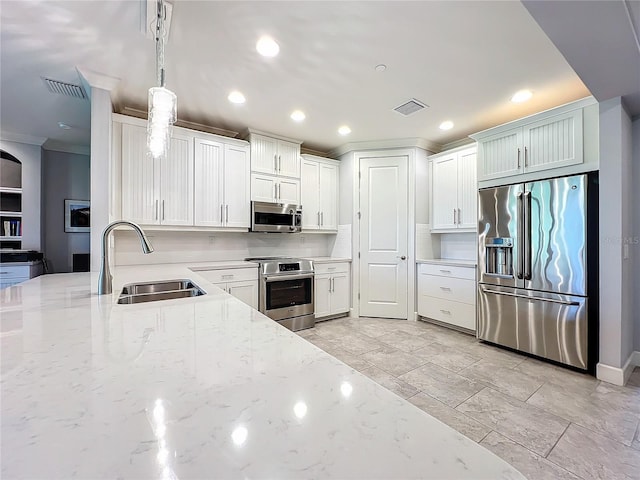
[162, 114]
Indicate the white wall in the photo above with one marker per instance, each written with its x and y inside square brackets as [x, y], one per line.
[635, 240]
[64, 176]
[31, 158]
[616, 196]
[185, 247]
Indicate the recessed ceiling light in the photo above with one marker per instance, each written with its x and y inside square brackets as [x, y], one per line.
[236, 97]
[448, 125]
[344, 130]
[521, 96]
[267, 47]
[381, 68]
[64, 126]
[298, 116]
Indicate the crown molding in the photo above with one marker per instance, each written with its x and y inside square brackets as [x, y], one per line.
[58, 146]
[463, 142]
[98, 80]
[427, 145]
[21, 138]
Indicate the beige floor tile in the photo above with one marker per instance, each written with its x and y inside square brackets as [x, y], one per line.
[393, 361]
[354, 361]
[334, 329]
[447, 336]
[442, 384]
[621, 398]
[528, 463]
[636, 440]
[529, 426]
[547, 372]
[356, 343]
[455, 419]
[589, 412]
[505, 358]
[507, 380]
[388, 381]
[591, 455]
[447, 357]
[404, 341]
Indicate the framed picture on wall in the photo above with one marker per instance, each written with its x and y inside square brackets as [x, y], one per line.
[77, 215]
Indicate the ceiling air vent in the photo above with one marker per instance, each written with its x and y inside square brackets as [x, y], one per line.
[412, 106]
[64, 88]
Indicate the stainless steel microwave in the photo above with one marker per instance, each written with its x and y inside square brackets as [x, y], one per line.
[276, 217]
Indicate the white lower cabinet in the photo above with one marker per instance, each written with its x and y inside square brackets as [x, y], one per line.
[14, 274]
[242, 283]
[448, 294]
[332, 289]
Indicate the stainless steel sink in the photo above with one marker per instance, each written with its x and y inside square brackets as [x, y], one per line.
[155, 291]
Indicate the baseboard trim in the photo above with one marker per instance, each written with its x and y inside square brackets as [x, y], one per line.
[616, 375]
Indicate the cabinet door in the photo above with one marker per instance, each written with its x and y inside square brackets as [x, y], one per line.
[328, 197]
[553, 142]
[467, 191]
[340, 293]
[264, 154]
[263, 188]
[288, 159]
[309, 194]
[139, 195]
[246, 292]
[236, 186]
[208, 191]
[288, 191]
[176, 182]
[322, 304]
[445, 198]
[500, 155]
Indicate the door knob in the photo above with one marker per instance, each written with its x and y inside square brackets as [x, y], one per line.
[403, 257]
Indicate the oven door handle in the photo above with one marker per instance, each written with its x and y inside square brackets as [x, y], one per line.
[275, 278]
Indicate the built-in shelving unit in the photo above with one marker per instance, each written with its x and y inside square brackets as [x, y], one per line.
[10, 202]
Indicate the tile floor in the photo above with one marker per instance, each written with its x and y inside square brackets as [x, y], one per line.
[547, 421]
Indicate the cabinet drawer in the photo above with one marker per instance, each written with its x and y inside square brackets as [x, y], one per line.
[447, 271]
[229, 275]
[447, 311]
[324, 268]
[457, 289]
[20, 272]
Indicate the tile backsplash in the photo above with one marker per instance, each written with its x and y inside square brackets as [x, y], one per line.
[181, 247]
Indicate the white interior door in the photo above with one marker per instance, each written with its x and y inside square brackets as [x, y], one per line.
[383, 237]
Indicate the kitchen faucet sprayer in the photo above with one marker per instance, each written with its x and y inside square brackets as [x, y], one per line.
[105, 279]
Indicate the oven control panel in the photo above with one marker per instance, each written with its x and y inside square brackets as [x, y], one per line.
[289, 267]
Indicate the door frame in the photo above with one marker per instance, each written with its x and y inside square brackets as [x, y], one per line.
[411, 154]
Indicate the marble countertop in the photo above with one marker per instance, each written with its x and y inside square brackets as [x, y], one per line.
[204, 387]
[449, 261]
[328, 259]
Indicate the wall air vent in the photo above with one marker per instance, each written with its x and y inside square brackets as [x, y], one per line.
[64, 88]
[412, 106]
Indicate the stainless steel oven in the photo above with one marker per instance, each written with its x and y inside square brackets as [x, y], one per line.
[285, 293]
[276, 217]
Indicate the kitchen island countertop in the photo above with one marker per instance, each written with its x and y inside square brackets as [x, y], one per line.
[204, 387]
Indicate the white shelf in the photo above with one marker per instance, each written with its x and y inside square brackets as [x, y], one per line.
[10, 190]
[11, 238]
[10, 214]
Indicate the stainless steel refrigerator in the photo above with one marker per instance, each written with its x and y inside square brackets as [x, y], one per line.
[537, 268]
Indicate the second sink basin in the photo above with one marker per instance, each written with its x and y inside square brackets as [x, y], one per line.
[155, 291]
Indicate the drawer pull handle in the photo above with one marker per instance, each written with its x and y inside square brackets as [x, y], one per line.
[331, 268]
[446, 312]
[227, 277]
[446, 289]
[445, 271]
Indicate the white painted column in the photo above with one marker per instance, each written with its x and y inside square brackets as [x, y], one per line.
[100, 87]
[616, 289]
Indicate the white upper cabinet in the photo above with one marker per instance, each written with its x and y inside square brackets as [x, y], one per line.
[454, 190]
[537, 143]
[156, 192]
[270, 188]
[274, 156]
[203, 180]
[221, 184]
[319, 193]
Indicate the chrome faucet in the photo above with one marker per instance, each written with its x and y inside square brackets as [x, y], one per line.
[105, 278]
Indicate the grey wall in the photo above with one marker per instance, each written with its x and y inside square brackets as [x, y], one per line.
[635, 245]
[31, 158]
[616, 196]
[64, 176]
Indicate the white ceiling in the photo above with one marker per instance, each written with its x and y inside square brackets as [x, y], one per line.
[463, 59]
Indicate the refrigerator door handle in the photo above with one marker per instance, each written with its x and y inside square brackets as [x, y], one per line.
[527, 235]
[551, 300]
[520, 238]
